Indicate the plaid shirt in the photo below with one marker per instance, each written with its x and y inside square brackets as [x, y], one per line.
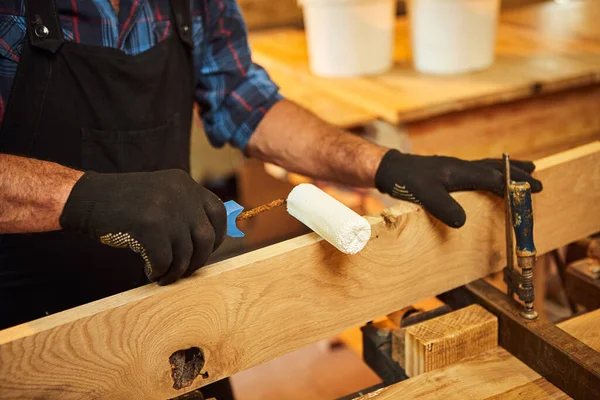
[233, 93]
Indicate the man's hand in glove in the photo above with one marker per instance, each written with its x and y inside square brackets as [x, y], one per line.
[173, 222]
[429, 180]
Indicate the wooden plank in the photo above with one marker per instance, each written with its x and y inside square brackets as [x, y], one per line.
[586, 328]
[572, 18]
[540, 389]
[319, 102]
[490, 373]
[247, 310]
[567, 363]
[448, 339]
[529, 129]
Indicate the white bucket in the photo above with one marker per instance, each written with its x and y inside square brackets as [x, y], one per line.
[349, 37]
[453, 36]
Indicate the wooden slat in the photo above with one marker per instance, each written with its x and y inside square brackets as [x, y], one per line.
[250, 309]
[492, 375]
[528, 62]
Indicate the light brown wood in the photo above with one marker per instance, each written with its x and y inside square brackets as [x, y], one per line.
[557, 20]
[492, 375]
[260, 14]
[585, 328]
[445, 340]
[540, 389]
[250, 309]
[481, 376]
[319, 102]
[529, 129]
[528, 62]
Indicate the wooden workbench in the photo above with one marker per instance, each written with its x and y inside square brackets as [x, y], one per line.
[546, 76]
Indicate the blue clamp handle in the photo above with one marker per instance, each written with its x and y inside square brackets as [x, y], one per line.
[522, 216]
[233, 210]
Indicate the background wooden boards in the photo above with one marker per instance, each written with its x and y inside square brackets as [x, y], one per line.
[529, 61]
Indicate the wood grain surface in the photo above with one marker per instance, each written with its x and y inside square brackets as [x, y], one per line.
[585, 328]
[448, 339]
[529, 128]
[481, 376]
[244, 311]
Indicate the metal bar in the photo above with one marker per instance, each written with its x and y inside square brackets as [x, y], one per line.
[508, 219]
[260, 209]
[377, 354]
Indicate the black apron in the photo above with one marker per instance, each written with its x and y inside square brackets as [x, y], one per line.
[90, 108]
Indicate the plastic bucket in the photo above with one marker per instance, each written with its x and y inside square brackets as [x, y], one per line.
[453, 36]
[349, 37]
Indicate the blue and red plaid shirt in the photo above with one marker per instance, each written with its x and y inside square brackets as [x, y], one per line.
[233, 92]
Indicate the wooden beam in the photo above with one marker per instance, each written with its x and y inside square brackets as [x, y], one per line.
[244, 311]
[445, 340]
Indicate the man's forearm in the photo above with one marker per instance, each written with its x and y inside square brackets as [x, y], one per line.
[300, 142]
[33, 194]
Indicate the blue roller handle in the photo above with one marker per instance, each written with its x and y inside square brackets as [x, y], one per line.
[233, 210]
[522, 217]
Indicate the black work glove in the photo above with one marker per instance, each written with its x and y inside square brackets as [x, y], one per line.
[170, 220]
[429, 180]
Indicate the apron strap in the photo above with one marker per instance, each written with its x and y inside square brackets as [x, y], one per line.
[43, 25]
[183, 20]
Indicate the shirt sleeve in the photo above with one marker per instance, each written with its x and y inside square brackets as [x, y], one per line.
[233, 93]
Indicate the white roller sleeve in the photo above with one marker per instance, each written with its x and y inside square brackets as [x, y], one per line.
[335, 222]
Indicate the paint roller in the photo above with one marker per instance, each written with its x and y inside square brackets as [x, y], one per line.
[332, 220]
